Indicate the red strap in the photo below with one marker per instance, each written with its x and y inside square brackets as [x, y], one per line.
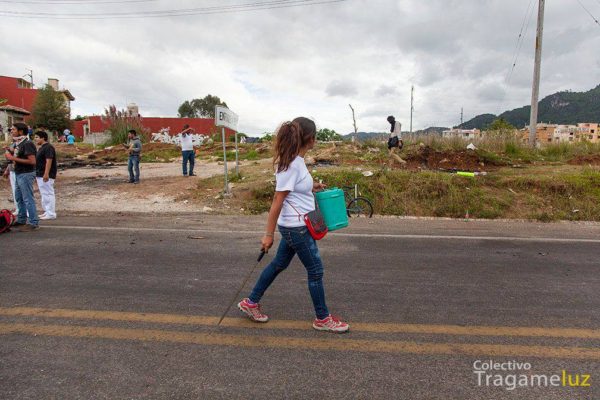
[297, 212]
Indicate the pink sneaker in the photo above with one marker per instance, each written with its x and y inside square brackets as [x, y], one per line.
[331, 324]
[252, 311]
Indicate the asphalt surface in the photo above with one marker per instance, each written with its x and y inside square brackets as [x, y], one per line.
[126, 307]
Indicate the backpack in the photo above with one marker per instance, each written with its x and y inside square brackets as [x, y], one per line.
[7, 219]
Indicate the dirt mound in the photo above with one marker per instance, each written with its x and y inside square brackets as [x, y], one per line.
[593, 159]
[462, 160]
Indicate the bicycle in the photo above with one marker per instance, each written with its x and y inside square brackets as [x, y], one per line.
[356, 205]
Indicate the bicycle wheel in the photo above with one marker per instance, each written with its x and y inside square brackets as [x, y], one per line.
[360, 207]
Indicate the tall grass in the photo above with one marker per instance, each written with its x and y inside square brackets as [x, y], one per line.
[508, 145]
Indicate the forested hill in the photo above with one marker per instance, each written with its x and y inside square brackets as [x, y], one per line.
[566, 108]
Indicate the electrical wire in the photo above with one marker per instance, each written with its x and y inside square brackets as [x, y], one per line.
[589, 12]
[520, 40]
[174, 11]
[264, 5]
[518, 47]
[76, 2]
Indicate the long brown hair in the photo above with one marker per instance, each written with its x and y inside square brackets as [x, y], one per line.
[291, 138]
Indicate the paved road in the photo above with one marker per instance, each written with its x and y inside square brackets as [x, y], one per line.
[126, 307]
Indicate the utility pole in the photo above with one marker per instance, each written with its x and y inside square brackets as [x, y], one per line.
[535, 93]
[412, 108]
[461, 116]
[30, 75]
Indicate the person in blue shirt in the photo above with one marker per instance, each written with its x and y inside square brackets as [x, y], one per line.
[70, 139]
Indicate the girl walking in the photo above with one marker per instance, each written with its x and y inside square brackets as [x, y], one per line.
[293, 199]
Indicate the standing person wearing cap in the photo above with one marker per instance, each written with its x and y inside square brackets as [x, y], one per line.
[187, 150]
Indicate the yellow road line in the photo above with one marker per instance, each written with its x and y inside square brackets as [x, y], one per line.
[303, 325]
[336, 344]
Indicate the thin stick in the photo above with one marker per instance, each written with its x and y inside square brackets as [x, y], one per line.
[260, 257]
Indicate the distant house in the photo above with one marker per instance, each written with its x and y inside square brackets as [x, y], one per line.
[19, 96]
[468, 134]
[10, 115]
[589, 131]
[553, 133]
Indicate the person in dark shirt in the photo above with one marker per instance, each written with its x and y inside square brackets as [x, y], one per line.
[24, 161]
[45, 172]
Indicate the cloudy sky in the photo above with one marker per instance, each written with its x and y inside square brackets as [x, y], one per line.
[313, 60]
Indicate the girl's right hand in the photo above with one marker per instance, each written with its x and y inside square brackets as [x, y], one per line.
[267, 243]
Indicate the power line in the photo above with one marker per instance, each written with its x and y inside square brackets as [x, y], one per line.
[76, 2]
[521, 39]
[588, 11]
[173, 11]
[517, 53]
[264, 5]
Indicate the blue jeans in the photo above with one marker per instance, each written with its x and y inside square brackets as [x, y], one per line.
[296, 241]
[188, 155]
[24, 198]
[134, 165]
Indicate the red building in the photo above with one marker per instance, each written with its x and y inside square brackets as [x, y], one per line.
[18, 97]
[203, 126]
[20, 93]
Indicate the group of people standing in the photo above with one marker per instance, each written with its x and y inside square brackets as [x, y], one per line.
[29, 163]
[134, 147]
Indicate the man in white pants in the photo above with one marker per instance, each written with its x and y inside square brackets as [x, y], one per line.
[9, 173]
[45, 172]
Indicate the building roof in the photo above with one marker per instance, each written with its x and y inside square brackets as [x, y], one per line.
[18, 110]
[68, 94]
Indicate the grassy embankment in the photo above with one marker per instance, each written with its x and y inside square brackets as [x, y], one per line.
[523, 183]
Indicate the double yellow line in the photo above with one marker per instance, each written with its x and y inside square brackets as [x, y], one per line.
[326, 343]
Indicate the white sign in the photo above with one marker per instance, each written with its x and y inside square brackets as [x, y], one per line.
[225, 117]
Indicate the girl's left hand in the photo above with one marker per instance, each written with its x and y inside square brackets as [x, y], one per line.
[318, 186]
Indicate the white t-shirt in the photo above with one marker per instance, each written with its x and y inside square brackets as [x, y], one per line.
[299, 182]
[186, 142]
[397, 130]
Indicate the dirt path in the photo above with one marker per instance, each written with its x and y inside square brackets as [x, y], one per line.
[162, 189]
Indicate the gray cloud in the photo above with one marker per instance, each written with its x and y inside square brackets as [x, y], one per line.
[369, 53]
[385, 90]
[341, 88]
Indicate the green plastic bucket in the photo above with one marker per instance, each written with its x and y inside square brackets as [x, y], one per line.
[333, 207]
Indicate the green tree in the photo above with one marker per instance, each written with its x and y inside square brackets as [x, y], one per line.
[266, 137]
[186, 110]
[328, 135]
[500, 124]
[120, 122]
[200, 108]
[50, 110]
